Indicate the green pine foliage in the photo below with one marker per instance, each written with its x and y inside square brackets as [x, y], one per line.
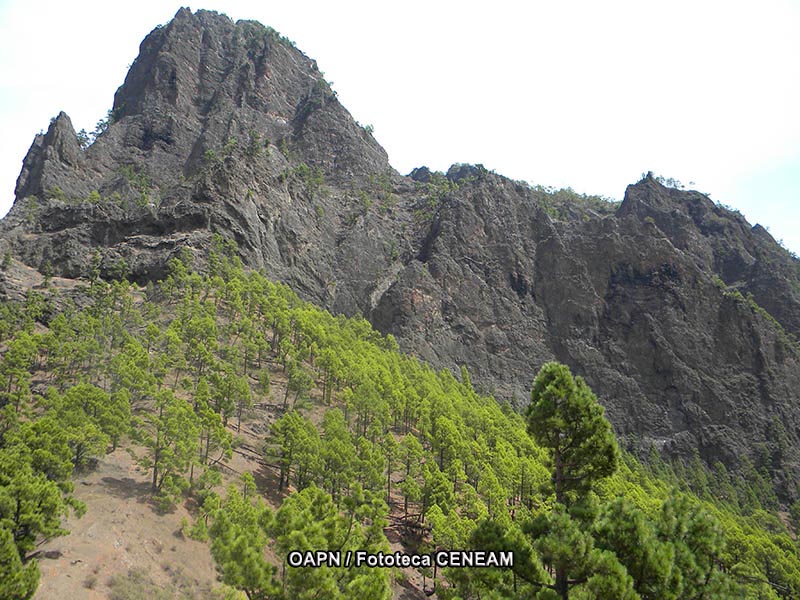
[17, 581]
[363, 436]
[565, 418]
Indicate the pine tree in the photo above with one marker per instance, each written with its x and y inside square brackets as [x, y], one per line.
[623, 529]
[17, 582]
[300, 382]
[338, 453]
[171, 435]
[297, 448]
[565, 418]
[239, 534]
[309, 520]
[697, 542]
[213, 435]
[411, 453]
[31, 505]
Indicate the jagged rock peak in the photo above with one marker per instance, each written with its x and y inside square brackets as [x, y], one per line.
[218, 127]
[456, 173]
[61, 138]
[421, 174]
[650, 192]
[202, 80]
[200, 57]
[49, 157]
[460, 171]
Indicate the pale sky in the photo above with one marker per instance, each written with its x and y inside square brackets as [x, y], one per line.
[584, 94]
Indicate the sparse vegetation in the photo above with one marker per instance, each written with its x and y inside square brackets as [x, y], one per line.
[57, 193]
[749, 301]
[312, 178]
[565, 202]
[364, 200]
[255, 145]
[141, 184]
[283, 146]
[86, 139]
[138, 585]
[230, 147]
[210, 157]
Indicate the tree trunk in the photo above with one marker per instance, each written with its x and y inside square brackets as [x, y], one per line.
[562, 588]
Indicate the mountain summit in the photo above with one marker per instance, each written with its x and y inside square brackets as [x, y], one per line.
[678, 313]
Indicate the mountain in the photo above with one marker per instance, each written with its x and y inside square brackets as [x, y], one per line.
[680, 315]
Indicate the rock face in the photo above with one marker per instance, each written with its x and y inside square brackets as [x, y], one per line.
[678, 313]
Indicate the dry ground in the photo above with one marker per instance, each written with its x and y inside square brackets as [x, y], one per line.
[123, 548]
[122, 531]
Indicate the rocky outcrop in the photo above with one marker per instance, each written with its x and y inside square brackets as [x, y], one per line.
[218, 127]
[676, 311]
[680, 359]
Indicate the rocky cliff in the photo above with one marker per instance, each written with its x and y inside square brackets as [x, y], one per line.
[678, 313]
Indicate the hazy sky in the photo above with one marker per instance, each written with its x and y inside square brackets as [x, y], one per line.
[582, 94]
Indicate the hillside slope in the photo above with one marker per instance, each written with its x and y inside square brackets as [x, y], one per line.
[329, 438]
